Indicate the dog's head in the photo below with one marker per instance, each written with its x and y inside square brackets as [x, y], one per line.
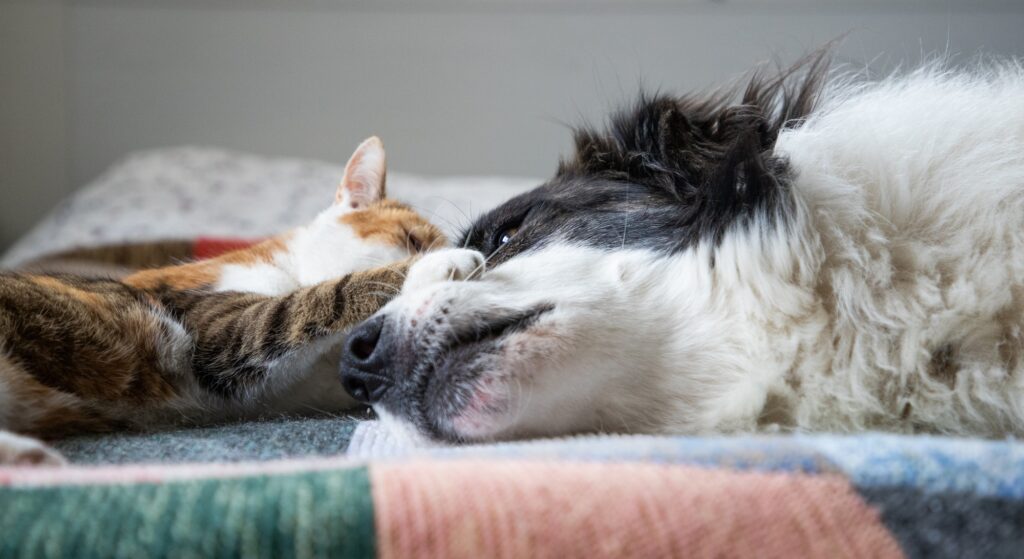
[599, 284]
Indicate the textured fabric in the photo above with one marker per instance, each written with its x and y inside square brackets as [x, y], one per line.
[507, 510]
[954, 525]
[251, 440]
[212, 247]
[326, 514]
[371, 440]
[782, 495]
[930, 463]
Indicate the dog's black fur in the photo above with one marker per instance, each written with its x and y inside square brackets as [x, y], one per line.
[664, 174]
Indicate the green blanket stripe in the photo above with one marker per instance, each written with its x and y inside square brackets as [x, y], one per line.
[312, 514]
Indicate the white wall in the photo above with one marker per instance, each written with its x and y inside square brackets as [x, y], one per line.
[452, 86]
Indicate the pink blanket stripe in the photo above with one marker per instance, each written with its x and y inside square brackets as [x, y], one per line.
[556, 509]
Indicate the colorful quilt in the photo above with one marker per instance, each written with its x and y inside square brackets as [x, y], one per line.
[604, 496]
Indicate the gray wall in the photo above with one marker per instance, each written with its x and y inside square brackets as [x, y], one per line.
[33, 133]
[467, 87]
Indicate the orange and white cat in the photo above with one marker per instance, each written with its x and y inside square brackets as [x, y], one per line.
[251, 332]
[360, 230]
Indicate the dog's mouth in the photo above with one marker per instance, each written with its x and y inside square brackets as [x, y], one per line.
[449, 378]
[497, 328]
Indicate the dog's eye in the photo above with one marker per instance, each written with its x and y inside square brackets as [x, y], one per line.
[506, 235]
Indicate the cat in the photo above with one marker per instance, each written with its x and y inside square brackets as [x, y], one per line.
[246, 333]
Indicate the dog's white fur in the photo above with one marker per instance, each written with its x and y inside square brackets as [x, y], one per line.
[893, 299]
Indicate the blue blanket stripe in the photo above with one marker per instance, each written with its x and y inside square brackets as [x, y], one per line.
[953, 525]
[930, 464]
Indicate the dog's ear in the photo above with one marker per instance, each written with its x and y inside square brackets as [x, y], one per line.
[705, 154]
[744, 180]
[675, 147]
[650, 143]
[673, 135]
[701, 152]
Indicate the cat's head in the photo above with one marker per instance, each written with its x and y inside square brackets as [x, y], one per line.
[362, 229]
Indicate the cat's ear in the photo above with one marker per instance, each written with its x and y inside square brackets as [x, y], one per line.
[365, 175]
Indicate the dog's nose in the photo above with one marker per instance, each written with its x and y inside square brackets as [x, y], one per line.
[364, 362]
[364, 387]
[361, 347]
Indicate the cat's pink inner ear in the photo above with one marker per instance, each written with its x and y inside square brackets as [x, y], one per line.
[365, 175]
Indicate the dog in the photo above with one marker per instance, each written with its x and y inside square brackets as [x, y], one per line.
[810, 252]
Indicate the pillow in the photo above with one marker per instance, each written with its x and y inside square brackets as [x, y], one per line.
[189, 192]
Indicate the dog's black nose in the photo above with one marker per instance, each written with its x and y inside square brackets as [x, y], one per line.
[364, 362]
[361, 347]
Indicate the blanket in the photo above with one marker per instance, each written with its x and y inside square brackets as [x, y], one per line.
[787, 496]
[121, 258]
[345, 486]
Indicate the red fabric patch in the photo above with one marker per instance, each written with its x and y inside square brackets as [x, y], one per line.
[561, 510]
[212, 247]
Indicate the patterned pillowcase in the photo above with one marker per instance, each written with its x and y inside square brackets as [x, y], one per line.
[188, 192]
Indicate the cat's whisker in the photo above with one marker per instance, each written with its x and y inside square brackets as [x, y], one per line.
[382, 294]
[332, 415]
[381, 284]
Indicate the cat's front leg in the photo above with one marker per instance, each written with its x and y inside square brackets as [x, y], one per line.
[247, 346]
[17, 450]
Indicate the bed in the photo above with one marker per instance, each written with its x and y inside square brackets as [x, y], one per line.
[317, 486]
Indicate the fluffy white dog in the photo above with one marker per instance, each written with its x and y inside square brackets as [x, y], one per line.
[810, 252]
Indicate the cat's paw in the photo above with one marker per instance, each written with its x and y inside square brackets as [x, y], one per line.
[16, 450]
[443, 265]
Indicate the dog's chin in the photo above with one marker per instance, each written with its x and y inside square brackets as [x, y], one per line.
[469, 390]
[466, 397]
[487, 405]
